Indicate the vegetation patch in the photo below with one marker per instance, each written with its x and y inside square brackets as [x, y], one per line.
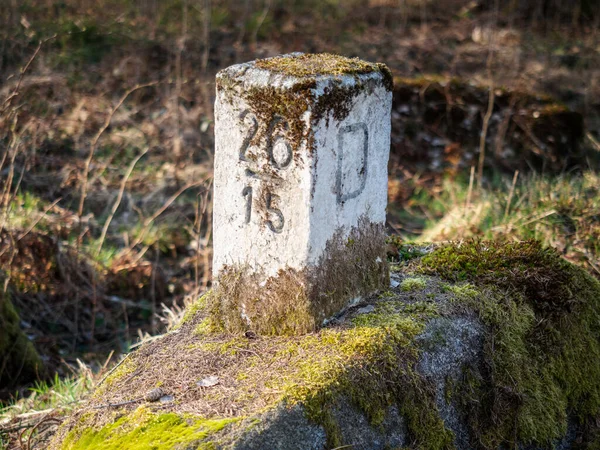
[543, 344]
[367, 359]
[143, 429]
[413, 284]
[295, 302]
[538, 369]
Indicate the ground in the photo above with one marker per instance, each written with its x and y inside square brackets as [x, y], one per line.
[454, 355]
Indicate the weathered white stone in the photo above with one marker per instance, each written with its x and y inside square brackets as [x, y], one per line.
[297, 159]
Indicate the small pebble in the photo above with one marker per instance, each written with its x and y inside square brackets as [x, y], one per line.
[366, 310]
[154, 395]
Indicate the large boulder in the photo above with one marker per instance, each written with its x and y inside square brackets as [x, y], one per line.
[475, 345]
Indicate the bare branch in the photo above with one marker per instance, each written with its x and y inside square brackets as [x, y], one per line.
[94, 142]
[118, 200]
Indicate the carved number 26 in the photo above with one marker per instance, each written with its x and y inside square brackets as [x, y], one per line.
[276, 227]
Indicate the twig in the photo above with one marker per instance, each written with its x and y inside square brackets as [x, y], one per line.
[470, 191]
[486, 123]
[592, 139]
[148, 222]
[94, 143]
[36, 426]
[30, 229]
[15, 92]
[124, 301]
[491, 94]
[540, 217]
[116, 405]
[117, 202]
[510, 194]
[153, 289]
[110, 355]
[177, 95]
[206, 34]
[113, 369]
[261, 20]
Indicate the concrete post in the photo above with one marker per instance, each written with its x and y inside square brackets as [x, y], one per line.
[301, 153]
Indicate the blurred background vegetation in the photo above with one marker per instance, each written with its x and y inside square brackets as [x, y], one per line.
[106, 147]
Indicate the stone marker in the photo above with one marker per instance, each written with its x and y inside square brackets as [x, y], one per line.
[302, 147]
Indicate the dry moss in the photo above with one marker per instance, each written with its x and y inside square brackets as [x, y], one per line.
[272, 104]
[295, 302]
[304, 65]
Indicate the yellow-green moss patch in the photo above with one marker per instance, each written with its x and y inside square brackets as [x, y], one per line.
[295, 302]
[413, 284]
[310, 65]
[145, 430]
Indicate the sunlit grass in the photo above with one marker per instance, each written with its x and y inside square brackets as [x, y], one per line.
[563, 212]
[57, 393]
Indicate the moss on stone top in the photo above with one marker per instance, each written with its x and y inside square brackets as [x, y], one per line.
[312, 64]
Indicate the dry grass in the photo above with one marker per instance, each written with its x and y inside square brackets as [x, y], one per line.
[561, 212]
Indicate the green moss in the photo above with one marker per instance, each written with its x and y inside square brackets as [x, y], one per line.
[401, 252]
[413, 284]
[144, 430]
[295, 302]
[463, 291]
[373, 366]
[193, 310]
[20, 361]
[543, 344]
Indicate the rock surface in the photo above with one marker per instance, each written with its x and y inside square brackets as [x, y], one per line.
[456, 355]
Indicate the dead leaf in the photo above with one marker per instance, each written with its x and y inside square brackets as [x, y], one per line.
[208, 381]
